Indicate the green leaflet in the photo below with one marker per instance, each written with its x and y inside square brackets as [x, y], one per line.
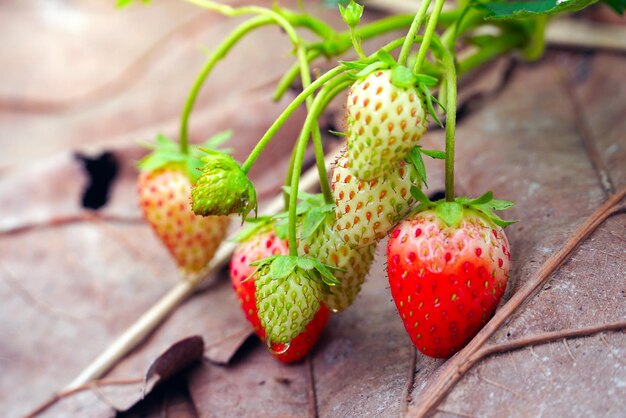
[515, 9]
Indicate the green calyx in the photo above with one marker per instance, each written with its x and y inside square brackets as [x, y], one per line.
[311, 211]
[166, 152]
[279, 267]
[222, 188]
[351, 12]
[452, 212]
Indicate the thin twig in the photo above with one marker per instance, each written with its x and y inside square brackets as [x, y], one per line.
[311, 389]
[87, 386]
[410, 382]
[466, 358]
[546, 338]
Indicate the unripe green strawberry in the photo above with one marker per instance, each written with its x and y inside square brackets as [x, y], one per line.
[367, 210]
[192, 240]
[446, 280]
[288, 291]
[222, 188]
[384, 122]
[325, 245]
[266, 243]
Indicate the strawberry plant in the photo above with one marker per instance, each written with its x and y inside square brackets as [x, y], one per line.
[448, 260]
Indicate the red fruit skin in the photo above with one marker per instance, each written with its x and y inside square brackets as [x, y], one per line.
[261, 246]
[446, 282]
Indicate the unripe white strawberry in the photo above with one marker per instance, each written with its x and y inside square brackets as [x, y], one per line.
[365, 211]
[384, 122]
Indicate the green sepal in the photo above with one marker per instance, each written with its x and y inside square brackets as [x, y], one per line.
[429, 103]
[280, 266]
[517, 9]
[222, 188]
[415, 156]
[377, 65]
[166, 152]
[416, 159]
[351, 12]
[337, 133]
[312, 209]
[419, 195]
[450, 212]
[427, 80]
[386, 58]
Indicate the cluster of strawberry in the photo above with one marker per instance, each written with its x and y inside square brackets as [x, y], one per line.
[448, 261]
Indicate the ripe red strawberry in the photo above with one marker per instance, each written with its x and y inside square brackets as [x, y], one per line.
[258, 247]
[325, 245]
[384, 122]
[367, 210]
[446, 281]
[192, 240]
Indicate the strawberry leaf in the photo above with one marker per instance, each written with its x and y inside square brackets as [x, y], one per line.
[517, 9]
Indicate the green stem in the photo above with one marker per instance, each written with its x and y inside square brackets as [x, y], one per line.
[428, 34]
[357, 44]
[490, 51]
[305, 75]
[410, 36]
[451, 81]
[278, 123]
[307, 21]
[309, 123]
[217, 55]
[537, 43]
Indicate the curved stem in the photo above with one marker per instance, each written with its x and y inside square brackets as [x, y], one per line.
[357, 44]
[428, 34]
[410, 36]
[490, 51]
[221, 51]
[311, 119]
[279, 122]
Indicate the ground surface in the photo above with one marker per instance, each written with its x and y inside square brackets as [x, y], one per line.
[78, 76]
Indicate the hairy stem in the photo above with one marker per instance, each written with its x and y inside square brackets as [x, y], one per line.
[410, 36]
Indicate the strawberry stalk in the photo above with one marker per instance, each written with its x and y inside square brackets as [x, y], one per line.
[279, 122]
[309, 125]
[450, 80]
[428, 35]
[227, 44]
[410, 36]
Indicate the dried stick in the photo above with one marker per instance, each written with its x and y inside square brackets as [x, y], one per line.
[466, 358]
[544, 338]
[151, 319]
[91, 385]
